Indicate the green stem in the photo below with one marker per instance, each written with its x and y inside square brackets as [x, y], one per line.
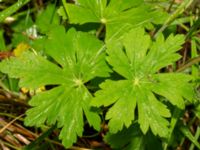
[18, 15]
[12, 9]
[11, 122]
[40, 138]
[10, 116]
[170, 6]
[187, 133]
[11, 146]
[189, 64]
[65, 5]
[173, 16]
[79, 148]
[193, 28]
[175, 117]
[194, 53]
[197, 134]
[100, 30]
[5, 89]
[3, 86]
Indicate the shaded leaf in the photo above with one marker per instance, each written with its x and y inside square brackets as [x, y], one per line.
[47, 18]
[132, 139]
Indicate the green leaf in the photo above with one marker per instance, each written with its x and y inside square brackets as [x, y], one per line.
[2, 42]
[197, 111]
[163, 52]
[76, 62]
[81, 55]
[47, 18]
[24, 28]
[61, 12]
[132, 139]
[141, 85]
[152, 113]
[23, 24]
[174, 87]
[64, 104]
[118, 16]
[124, 137]
[29, 67]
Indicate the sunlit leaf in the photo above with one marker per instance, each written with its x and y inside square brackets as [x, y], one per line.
[138, 62]
[118, 16]
[77, 62]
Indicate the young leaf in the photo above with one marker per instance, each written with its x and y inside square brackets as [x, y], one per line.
[138, 63]
[79, 61]
[117, 15]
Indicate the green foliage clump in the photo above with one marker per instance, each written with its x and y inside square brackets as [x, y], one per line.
[120, 75]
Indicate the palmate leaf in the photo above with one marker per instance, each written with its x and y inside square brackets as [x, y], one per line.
[138, 63]
[117, 15]
[77, 61]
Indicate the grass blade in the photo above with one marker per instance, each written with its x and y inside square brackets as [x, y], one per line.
[12, 9]
[189, 135]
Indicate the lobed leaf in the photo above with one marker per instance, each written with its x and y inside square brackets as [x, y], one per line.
[138, 62]
[76, 60]
[30, 66]
[163, 52]
[80, 55]
[118, 16]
